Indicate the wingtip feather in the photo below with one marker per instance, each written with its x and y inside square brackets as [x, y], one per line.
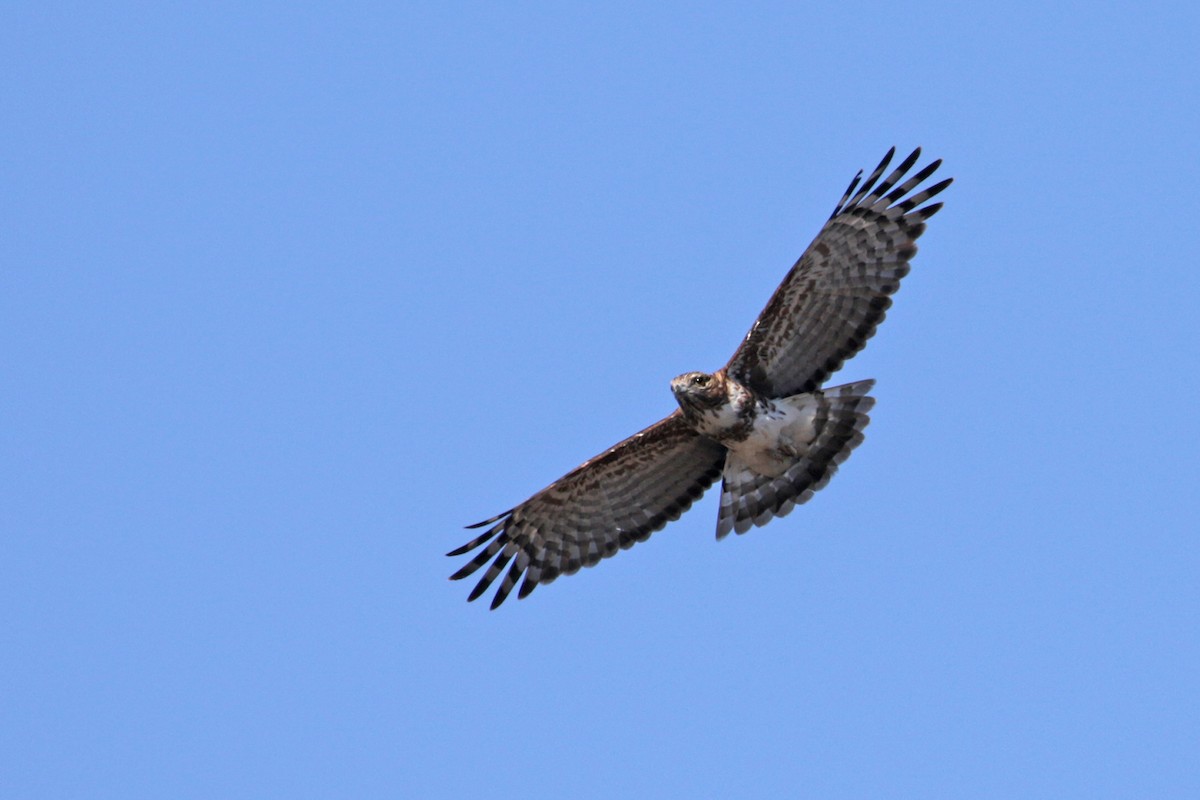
[499, 516]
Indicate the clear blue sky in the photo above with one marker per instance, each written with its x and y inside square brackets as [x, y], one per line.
[290, 295]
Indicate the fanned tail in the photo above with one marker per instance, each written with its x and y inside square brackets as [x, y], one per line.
[749, 499]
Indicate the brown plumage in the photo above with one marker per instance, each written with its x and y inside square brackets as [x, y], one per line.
[761, 422]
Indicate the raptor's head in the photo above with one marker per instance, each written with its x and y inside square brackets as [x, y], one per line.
[697, 392]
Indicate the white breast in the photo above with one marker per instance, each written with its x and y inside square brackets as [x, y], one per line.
[780, 435]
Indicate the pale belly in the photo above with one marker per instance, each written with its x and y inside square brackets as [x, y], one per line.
[779, 438]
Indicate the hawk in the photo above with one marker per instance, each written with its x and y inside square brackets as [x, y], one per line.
[762, 423]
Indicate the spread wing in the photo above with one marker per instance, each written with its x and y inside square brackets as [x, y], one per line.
[610, 502]
[835, 296]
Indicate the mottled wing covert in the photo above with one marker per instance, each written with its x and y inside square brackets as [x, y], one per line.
[608, 503]
[835, 296]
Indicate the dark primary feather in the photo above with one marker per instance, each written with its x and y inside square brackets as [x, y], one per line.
[839, 290]
[607, 504]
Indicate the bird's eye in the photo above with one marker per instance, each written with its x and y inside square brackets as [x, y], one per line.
[700, 380]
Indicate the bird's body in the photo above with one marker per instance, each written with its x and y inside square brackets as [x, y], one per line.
[762, 423]
[767, 435]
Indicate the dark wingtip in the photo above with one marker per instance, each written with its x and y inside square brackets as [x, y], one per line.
[875, 175]
[478, 540]
[929, 210]
[527, 586]
[462, 573]
[940, 186]
[501, 515]
[479, 589]
[846, 195]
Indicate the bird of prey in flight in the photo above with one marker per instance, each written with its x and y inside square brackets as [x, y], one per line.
[762, 423]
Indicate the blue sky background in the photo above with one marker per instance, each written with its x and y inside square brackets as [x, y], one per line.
[288, 295]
